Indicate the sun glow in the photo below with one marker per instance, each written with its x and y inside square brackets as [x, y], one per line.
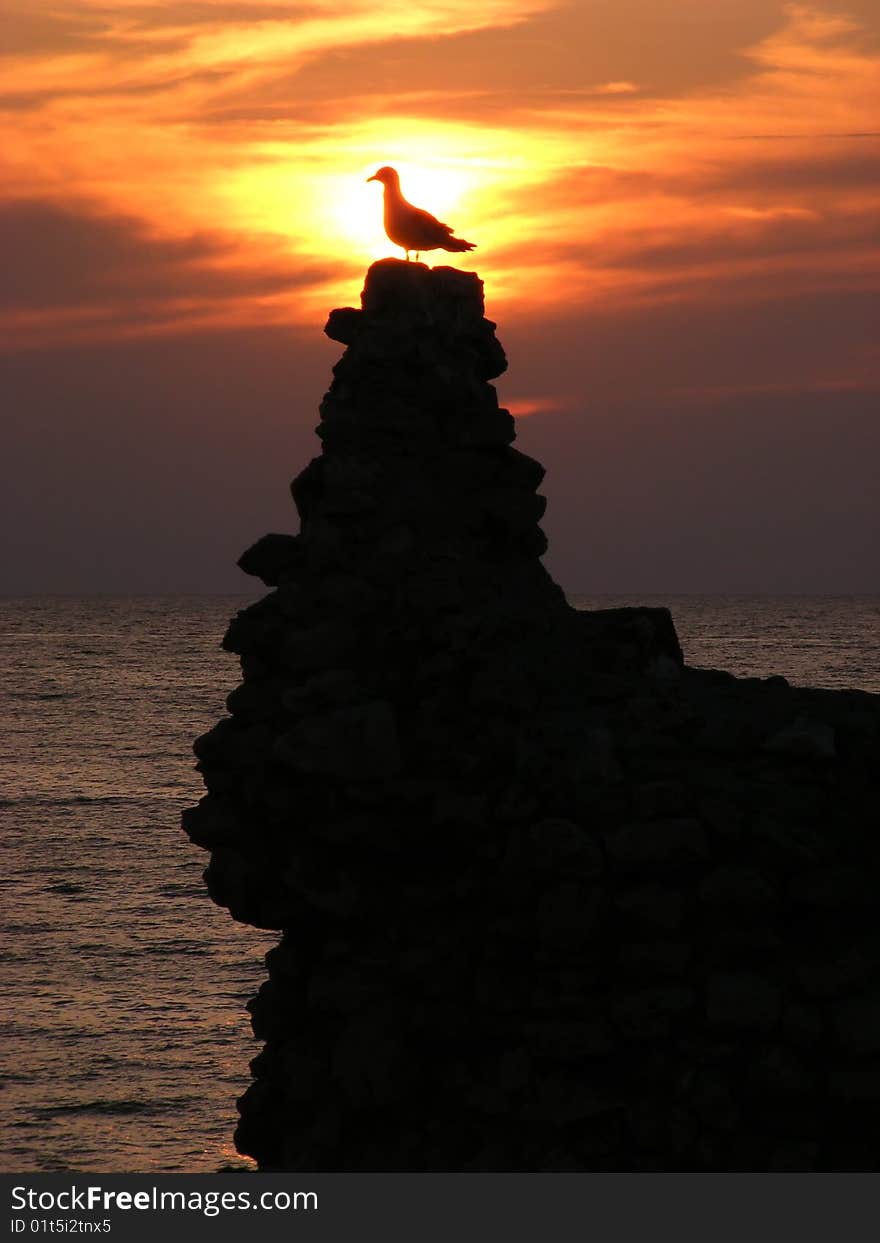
[457, 173]
[330, 214]
[242, 144]
[340, 212]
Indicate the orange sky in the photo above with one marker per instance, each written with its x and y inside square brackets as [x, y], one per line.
[197, 167]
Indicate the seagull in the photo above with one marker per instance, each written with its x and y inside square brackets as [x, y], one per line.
[409, 226]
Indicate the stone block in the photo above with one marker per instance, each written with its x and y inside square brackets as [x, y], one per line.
[655, 958]
[836, 887]
[743, 1001]
[352, 744]
[652, 1013]
[658, 842]
[733, 886]
[856, 1025]
[652, 906]
[804, 739]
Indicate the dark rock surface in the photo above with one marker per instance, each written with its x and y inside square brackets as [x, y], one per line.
[550, 900]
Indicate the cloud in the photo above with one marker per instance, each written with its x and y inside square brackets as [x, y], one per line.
[95, 274]
[522, 407]
[635, 352]
[120, 46]
[569, 47]
[675, 207]
[149, 464]
[264, 116]
[744, 493]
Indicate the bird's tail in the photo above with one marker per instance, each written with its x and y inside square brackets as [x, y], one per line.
[458, 244]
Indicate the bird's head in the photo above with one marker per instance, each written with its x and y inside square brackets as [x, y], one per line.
[388, 176]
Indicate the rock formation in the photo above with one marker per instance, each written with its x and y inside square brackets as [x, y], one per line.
[550, 900]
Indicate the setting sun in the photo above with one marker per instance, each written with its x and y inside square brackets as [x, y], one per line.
[602, 332]
[583, 176]
[328, 203]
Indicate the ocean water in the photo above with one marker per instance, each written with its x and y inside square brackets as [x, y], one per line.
[124, 1040]
[831, 641]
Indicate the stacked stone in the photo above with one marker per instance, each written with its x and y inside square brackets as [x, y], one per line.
[416, 573]
[548, 899]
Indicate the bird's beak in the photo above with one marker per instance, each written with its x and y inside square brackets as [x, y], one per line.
[374, 178]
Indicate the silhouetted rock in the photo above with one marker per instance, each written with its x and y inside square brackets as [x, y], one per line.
[549, 898]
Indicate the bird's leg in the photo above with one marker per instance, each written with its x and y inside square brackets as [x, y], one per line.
[418, 252]
[407, 256]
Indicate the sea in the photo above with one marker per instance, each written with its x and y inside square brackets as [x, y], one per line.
[124, 1039]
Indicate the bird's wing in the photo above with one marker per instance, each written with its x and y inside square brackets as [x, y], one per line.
[427, 220]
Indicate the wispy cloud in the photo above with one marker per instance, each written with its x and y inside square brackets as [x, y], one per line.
[588, 165]
[75, 273]
[676, 212]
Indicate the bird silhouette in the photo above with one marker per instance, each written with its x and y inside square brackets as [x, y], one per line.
[411, 227]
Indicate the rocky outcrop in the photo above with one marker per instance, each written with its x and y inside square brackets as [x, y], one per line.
[549, 899]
